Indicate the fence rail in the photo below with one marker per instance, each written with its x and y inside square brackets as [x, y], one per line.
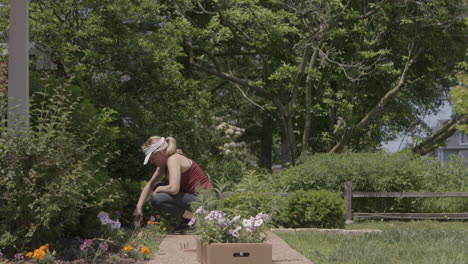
[349, 195]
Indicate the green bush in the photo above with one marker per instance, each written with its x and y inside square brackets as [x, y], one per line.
[50, 179]
[380, 172]
[321, 209]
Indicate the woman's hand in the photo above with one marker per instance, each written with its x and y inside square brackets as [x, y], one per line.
[138, 216]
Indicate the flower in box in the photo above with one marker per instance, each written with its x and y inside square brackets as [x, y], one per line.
[216, 227]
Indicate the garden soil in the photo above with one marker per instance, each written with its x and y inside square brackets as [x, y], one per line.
[178, 249]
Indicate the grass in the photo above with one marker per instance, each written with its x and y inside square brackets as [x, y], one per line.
[400, 242]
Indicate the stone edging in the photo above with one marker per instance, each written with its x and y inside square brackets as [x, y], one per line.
[344, 231]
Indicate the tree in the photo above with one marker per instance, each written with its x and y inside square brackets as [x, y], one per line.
[125, 56]
[364, 68]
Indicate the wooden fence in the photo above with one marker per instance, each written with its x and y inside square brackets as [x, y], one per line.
[349, 195]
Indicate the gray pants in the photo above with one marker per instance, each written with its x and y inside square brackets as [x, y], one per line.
[173, 204]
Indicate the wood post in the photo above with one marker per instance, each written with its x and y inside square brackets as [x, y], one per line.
[348, 195]
[18, 66]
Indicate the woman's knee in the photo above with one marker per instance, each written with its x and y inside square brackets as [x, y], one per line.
[160, 199]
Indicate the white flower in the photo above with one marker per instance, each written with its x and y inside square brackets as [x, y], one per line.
[102, 215]
[258, 222]
[246, 223]
[235, 219]
[115, 224]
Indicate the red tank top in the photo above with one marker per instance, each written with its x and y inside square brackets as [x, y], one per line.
[192, 178]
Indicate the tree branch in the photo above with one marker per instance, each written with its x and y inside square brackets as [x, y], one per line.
[383, 102]
[436, 139]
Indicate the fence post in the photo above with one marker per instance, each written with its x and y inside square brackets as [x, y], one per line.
[348, 195]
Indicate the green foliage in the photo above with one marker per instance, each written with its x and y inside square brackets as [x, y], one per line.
[322, 209]
[229, 171]
[247, 198]
[49, 178]
[380, 172]
[459, 93]
[373, 172]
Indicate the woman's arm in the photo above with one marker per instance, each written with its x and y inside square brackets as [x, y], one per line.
[173, 166]
[157, 177]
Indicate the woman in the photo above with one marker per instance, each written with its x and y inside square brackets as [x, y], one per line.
[183, 174]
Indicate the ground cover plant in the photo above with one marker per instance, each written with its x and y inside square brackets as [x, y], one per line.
[400, 242]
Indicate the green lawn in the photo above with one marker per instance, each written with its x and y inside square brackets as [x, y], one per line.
[400, 242]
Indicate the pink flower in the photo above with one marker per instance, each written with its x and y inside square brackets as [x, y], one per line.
[104, 247]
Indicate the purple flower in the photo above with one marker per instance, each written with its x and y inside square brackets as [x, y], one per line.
[88, 242]
[152, 218]
[192, 221]
[200, 210]
[83, 247]
[1, 255]
[236, 232]
[104, 247]
[215, 215]
[19, 256]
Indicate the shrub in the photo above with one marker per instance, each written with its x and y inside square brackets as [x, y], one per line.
[379, 172]
[48, 177]
[322, 209]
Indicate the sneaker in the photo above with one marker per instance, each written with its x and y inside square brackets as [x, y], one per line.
[184, 229]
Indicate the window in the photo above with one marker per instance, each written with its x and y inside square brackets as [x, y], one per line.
[462, 138]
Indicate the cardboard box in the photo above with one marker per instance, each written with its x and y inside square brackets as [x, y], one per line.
[234, 253]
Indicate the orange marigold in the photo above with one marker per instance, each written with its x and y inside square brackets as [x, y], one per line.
[29, 254]
[145, 250]
[128, 248]
[39, 254]
[150, 222]
[45, 248]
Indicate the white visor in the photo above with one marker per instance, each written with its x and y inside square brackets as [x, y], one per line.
[152, 148]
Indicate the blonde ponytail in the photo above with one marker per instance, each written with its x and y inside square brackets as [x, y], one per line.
[171, 147]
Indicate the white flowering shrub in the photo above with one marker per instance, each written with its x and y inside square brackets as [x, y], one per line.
[216, 227]
[230, 135]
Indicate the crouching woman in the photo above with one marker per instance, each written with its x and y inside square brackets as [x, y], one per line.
[183, 175]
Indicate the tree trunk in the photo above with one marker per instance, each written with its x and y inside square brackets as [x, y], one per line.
[286, 159]
[266, 160]
[308, 103]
